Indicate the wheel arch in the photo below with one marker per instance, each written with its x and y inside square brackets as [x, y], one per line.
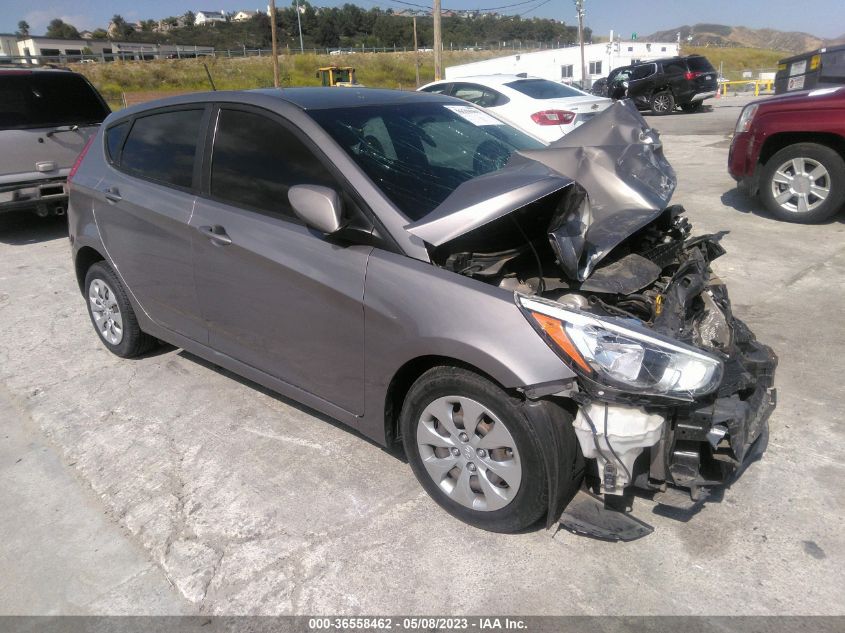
[85, 258]
[405, 377]
[776, 142]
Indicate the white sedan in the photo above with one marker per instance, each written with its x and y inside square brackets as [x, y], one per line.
[543, 108]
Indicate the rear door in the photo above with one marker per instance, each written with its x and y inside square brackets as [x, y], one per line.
[46, 117]
[674, 76]
[277, 295]
[143, 206]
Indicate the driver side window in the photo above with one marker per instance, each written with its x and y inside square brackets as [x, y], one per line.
[255, 160]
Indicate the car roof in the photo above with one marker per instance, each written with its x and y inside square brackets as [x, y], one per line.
[18, 70]
[332, 98]
[495, 80]
[301, 98]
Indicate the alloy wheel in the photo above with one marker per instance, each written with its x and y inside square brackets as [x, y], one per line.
[469, 453]
[661, 103]
[106, 311]
[800, 185]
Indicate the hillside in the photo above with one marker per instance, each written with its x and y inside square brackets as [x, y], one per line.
[740, 36]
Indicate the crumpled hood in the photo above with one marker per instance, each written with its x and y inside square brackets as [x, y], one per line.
[615, 157]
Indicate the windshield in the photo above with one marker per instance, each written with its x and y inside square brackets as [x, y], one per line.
[419, 153]
[48, 99]
[700, 64]
[544, 89]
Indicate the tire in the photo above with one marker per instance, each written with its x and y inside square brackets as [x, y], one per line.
[689, 108]
[799, 199]
[500, 485]
[662, 103]
[112, 315]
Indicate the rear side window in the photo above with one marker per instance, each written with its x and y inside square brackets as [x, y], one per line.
[48, 99]
[674, 67]
[641, 72]
[700, 64]
[115, 136]
[256, 160]
[479, 95]
[162, 146]
[543, 89]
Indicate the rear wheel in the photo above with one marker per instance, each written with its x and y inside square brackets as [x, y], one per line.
[112, 314]
[470, 446]
[804, 183]
[662, 103]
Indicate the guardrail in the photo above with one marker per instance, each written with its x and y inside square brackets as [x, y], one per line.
[757, 85]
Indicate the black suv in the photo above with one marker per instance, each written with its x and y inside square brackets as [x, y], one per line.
[664, 84]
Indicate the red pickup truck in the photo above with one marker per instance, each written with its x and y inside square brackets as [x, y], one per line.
[790, 150]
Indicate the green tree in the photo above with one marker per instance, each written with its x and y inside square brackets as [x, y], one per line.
[60, 29]
[23, 28]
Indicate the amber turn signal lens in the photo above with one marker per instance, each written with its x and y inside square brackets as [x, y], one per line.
[554, 329]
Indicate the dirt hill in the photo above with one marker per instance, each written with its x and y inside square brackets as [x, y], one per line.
[721, 35]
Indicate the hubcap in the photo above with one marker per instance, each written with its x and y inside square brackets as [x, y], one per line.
[800, 185]
[469, 453]
[106, 312]
[661, 103]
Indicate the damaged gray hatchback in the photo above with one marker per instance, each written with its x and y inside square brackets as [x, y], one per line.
[521, 318]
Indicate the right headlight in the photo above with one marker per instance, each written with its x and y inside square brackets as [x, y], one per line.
[621, 354]
[743, 124]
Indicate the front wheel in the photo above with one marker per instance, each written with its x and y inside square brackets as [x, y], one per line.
[471, 448]
[662, 103]
[804, 183]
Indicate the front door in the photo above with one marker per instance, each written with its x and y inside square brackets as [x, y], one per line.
[275, 294]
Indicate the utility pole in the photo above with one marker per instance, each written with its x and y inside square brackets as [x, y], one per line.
[299, 24]
[274, 43]
[416, 53]
[579, 6]
[438, 43]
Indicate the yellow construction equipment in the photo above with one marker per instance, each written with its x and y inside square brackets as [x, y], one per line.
[341, 76]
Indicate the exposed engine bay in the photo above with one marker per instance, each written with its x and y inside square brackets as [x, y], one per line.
[610, 273]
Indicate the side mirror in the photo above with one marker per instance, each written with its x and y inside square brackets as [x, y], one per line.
[319, 207]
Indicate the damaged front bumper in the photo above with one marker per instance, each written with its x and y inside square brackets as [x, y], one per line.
[707, 444]
[695, 445]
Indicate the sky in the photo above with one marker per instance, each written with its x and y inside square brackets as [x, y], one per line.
[823, 18]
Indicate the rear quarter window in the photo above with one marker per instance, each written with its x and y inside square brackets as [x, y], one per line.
[162, 147]
[115, 136]
[700, 64]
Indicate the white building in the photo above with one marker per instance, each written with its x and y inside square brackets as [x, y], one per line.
[209, 17]
[36, 49]
[564, 64]
[243, 16]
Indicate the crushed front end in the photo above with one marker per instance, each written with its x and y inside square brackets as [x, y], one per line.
[671, 388]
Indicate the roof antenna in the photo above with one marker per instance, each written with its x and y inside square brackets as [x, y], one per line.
[210, 80]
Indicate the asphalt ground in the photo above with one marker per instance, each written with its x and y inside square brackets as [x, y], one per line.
[168, 485]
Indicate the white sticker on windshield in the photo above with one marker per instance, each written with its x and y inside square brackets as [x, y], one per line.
[474, 115]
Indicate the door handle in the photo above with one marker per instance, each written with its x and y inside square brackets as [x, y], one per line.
[112, 194]
[216, 233]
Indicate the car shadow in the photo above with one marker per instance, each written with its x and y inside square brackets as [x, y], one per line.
[735, 199]
[394, 451]
[18, 228]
